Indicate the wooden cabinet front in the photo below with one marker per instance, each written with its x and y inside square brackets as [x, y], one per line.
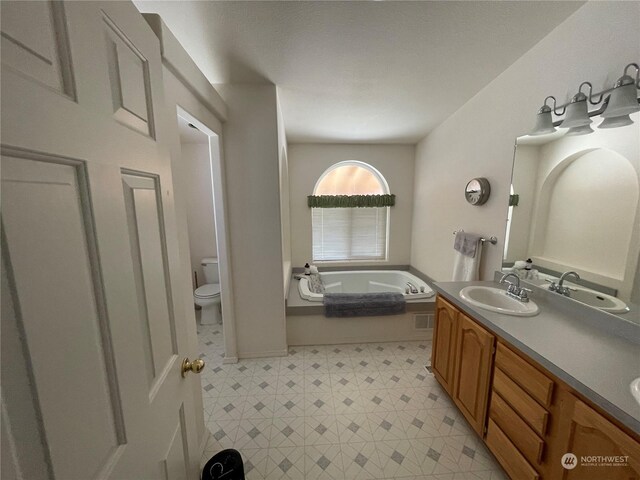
[444, 343]
[535, 418]
[534, 414]
[508, 455]
[473, 371]
[516, 429]
[602, 450]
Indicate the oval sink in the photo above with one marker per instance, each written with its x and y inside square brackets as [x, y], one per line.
[635, 389]
[599, 300]
[496, 300]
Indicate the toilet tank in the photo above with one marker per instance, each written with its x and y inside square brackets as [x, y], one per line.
[210, 268]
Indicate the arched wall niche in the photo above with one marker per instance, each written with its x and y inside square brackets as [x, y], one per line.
[587, 216]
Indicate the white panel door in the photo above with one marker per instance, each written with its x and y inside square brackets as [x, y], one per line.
[92, 337]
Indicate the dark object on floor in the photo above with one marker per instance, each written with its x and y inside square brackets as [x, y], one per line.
[363, 304]
[224, 465]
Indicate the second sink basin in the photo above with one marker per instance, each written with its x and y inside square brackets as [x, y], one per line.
[599, 300]
[496, 300]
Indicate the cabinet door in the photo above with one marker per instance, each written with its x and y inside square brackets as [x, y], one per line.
[444, 343]
[473, 371]
[590, 437]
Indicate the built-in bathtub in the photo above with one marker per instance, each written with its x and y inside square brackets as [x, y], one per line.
[307, 325]
[368, 281]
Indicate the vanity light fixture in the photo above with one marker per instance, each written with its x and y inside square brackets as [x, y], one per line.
[544, 122]
[613, 122]
[581, 130]
[577, 112]
[622, 101]
[615, 108]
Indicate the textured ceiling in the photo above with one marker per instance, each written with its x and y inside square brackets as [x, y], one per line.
[371, 72]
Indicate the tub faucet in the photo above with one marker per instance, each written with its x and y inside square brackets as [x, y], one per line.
[514, 289]
[412, 287]
[559, 288]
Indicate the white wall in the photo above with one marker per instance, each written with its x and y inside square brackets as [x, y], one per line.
[594, 44]
[200, 214]
[308, 161]
[251, 154]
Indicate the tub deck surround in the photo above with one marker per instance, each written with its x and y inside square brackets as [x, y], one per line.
[296, 305]
[339, 268]
[595, 353]
[307, 325]
[367, 281]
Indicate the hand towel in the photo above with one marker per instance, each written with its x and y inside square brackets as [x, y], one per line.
[466, 243]
[466, 267]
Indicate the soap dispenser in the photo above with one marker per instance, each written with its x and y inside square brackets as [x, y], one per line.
[307, 269]
[530, 272]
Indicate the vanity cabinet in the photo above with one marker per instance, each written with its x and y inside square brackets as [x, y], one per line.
[527, 417]
[589, 434]
[519, 414]
[444, 343]
[472, 371]
[461, 361]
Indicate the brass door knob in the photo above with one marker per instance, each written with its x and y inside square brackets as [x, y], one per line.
[188, 366]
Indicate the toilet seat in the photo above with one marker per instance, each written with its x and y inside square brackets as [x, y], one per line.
[209, 290]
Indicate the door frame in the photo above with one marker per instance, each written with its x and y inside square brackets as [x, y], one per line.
[181, 101]
[189, 94]
[222, 233]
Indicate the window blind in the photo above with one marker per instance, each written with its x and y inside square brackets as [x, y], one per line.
[349, 233]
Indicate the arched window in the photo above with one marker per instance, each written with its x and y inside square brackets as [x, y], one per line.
[357, 233]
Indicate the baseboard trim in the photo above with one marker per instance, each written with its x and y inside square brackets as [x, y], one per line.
[272, 353]
[426, 337]
[226, 360]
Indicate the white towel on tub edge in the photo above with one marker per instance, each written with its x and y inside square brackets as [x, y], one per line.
[466, 269]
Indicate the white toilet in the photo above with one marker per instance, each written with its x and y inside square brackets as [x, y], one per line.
[208, 295]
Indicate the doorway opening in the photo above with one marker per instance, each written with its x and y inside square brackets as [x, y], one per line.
[200, 149]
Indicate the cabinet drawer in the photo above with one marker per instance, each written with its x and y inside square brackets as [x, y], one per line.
[520, 434]
[521, 402]
[529, 378]
[508, 455]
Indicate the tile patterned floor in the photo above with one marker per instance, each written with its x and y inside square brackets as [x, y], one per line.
[350, 412]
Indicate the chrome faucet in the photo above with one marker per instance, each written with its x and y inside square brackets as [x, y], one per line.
[514, 289]
[504, 279]
[412, 287]
[559, 288]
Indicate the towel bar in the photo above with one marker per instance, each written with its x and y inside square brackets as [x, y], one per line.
[492, 240]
